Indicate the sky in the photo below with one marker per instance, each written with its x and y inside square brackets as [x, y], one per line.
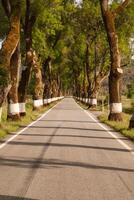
[78, 1]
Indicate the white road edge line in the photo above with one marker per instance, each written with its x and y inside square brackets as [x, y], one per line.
[21, 131]
[113, 135]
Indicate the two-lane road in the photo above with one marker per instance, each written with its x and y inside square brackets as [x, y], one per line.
[66, 155]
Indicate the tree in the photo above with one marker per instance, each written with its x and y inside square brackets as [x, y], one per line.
[51, 30]
[13, 106]
[95, 55]
[109, 17]
[9, 47]
[131, 123]
[31, 14]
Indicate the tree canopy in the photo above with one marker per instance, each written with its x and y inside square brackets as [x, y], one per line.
[66, 46]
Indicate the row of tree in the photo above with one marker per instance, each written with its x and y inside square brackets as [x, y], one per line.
[30, 31]
[108, 36]
[60, 46]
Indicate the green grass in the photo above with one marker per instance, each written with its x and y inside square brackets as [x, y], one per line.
[8, 127]
[122, 127]
[84, 106]
[128, 105]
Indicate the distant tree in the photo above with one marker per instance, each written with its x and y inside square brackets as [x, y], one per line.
[130, 93]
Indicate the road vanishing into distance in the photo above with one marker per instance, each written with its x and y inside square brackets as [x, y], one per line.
[67, 155]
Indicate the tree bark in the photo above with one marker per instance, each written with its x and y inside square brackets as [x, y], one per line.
[115, 71]
[47, 78]
[59, 85]
[38, 90]
[24, 81]
[30, 19]
[13, 106]
[84, 82]
[97, 84]
[100, 73]
[88, 70]
[131, 123]
[7, 7]
[8, 49]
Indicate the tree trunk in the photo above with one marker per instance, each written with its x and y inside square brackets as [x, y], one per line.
[24, 82]
[97, 84]
[30, 19]
[84, 82]
[38, 90]
[47, 79]
[8, 49]
[50, 78]
[59, 85]
[13, 106]
[76, 83]
[0, 115]
[131, 123]
[115, 71]
[88, 70]
[93, 95]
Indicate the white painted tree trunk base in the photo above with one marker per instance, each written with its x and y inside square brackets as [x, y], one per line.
[22, 108]
[93, 102]
[116, 108]
[45, 101]
[0, 113]
[13, 109]
[38, 103]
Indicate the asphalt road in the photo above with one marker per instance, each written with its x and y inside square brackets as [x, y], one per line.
[66, 155]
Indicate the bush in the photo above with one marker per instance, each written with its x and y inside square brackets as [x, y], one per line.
[130, 88]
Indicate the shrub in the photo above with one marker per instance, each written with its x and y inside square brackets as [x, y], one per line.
[130, 93]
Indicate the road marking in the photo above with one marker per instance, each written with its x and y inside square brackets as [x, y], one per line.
[21, 131]
[113, 135]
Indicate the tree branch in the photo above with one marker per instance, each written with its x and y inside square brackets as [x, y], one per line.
[7, 7]
[121, 7]
[57, 38]
[104, 5]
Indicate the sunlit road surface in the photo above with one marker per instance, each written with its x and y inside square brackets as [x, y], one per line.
[66, 155]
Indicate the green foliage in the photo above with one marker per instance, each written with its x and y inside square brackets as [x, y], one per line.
[130, 88]
[47, 29]
[39, 43]
[4, 77]
[31, 85]
[62, 31]
[125, 29]
[4, 24]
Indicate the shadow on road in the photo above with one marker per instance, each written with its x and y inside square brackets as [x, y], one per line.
[72, 121]
[68, 128]
[49, 144]
[63, 108]
[57, 163]
[72, 136]
[6, 197]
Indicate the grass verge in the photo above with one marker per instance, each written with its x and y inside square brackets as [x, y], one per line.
[8, 127]
[121, 127]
